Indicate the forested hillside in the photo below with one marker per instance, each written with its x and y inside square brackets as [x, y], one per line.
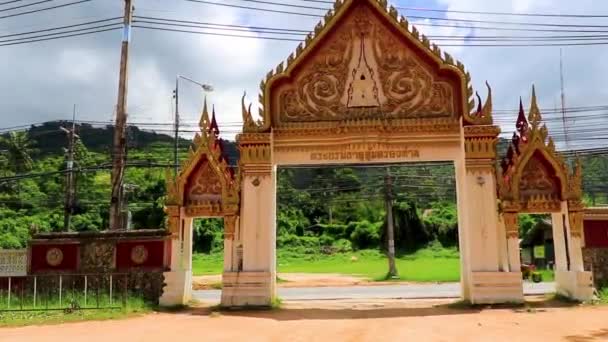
[332, 209]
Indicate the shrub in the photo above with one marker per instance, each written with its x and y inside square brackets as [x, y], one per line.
[343, 246]
[366, 235]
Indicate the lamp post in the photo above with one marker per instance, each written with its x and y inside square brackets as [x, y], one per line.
[206, 88]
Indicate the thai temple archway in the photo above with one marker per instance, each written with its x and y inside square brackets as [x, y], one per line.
[535, 179]
[365, 88]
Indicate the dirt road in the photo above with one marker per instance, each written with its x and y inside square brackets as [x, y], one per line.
[340, 321]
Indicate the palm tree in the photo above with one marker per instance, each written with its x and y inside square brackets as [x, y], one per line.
[18, 149]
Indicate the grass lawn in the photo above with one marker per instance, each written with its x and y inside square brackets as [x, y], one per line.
[134, 307]
[548, 275]
[427, 265]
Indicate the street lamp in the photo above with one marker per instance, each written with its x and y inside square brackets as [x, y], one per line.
[206, 88]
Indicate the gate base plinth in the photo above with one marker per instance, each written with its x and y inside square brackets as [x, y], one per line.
[496, 288]
[243, 289]
[178, 289]
[575, 285]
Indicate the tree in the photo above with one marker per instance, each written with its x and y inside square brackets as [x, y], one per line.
[18, 151]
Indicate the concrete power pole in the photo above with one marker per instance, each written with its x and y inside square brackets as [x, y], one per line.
[176, 143]
[390, 229]
[119, 152]
[70, 192]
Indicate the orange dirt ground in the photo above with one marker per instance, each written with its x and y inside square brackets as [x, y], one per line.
[341, 321]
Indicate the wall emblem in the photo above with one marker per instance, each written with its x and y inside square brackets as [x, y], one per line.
[54, 257]
[139, 254]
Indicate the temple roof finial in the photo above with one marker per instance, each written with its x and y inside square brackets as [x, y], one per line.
[522, 123]
[534, 116]
[204, 122]
[213, 127]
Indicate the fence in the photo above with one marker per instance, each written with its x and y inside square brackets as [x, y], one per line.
[68, 292]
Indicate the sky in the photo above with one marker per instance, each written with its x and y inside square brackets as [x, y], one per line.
[43, 81]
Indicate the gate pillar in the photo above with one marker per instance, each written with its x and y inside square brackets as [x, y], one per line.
[253, 282]
[570, 276]
[489, 281]
[178, 281]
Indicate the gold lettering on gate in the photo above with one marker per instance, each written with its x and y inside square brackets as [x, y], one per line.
[363, 152]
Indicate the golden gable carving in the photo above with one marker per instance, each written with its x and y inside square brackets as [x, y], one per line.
[533, 174]
[363, 61]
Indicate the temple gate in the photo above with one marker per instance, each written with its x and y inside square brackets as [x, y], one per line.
[365, 87]
[535, 179]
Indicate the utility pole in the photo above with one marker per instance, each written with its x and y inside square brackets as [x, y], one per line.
[563, 97]
[176, 143]
[70, 192]
[119, 152]
[390, 229]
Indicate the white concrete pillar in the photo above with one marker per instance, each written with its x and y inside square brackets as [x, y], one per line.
[574, 237]
[255, 283]
[559, 242]
[178, 289]
[511, 222]
[503, 252]
[228, 255]
[463, 227]
[514, 256]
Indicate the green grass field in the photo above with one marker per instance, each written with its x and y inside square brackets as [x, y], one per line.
[427, 265]
[134, 307]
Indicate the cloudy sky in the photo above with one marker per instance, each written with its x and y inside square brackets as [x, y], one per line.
[42, 81]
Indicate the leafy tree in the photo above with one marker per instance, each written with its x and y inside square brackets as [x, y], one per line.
[18, 151]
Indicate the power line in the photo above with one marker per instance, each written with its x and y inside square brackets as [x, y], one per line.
[551, 15]
[60, 37]
[61, 33]
[254, 8]
[423, 9]
[44, 9]
[26, 5]
[59, 28]
[9, 2]
[216, 34]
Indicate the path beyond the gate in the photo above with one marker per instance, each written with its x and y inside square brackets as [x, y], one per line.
[408, 291]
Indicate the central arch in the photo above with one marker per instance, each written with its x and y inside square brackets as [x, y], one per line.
[368, 88]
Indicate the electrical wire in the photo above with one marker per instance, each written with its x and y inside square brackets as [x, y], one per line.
[23, 6]
[44, 9]
[60, 37]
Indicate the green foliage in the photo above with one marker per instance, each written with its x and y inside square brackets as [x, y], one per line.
[366, 234]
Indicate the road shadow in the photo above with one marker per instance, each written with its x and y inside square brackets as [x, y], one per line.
[371, 311]
[597, 335]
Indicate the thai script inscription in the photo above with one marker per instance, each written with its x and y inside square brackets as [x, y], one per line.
[366, 155]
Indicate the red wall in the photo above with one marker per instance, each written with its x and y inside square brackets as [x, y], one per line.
[156, 255]
[69, 263]
[596, 234]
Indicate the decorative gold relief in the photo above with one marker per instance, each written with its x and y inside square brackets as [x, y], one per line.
[483, 114]
[364, 71]
[139, 254]
[363, 61]
[511, 225]
[207, 185]
[576, 223]
[229, 227]
[533, 173]
[54, 257]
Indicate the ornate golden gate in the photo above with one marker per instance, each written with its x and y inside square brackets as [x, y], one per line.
[365, 87]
